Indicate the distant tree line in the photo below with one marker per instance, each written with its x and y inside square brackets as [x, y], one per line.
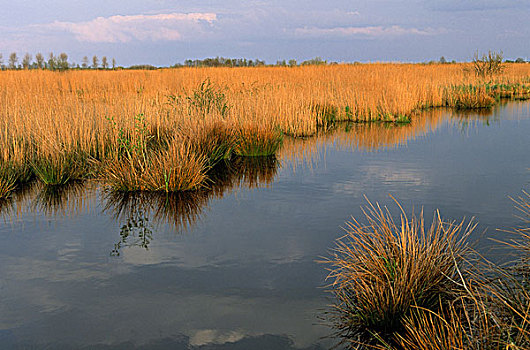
[243, 62]
[53, 62]
[61, 63]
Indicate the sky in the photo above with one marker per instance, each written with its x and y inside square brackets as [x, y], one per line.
[164, 32]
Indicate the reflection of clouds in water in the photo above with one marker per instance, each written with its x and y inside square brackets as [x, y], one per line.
[204, 320]
[214, 336]
[159, 254]
[394, 174]
[384, 174]
[28, 269]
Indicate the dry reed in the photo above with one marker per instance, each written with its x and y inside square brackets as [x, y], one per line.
[90, 116]
[384, 270]
[402, 286]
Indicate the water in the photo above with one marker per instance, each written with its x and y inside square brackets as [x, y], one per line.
[235, 266]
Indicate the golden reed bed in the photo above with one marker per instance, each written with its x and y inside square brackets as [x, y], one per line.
[163, 129]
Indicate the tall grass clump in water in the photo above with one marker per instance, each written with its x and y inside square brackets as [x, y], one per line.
[178, 168]
[469, 97]
[175, 168]
[215, 139]
[257, 140]
[60, 168]
[384, 271]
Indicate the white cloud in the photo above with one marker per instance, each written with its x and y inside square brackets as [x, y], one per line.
[159, 27]
[368, 31]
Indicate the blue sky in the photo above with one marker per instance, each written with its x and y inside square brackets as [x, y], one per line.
[163, 32]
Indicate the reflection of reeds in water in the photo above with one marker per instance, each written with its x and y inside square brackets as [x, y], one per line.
[67, 199]
[465, 119]
[249, 172]
[361, 137]
[180, 209]
[139, 212]
[13, 206]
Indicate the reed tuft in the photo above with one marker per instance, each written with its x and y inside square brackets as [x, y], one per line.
[383, 271]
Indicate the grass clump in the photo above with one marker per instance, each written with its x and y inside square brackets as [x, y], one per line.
[326, 114]
[61, 168]
[214, 139]
[468, 97]
[257, 141]
[383, 271]
[8, 180]
[513, 91]
[176, 168]
[403, 286]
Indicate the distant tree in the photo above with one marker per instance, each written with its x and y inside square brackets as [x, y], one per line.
[62, 62]
[52, 62]
[39, 60]
[519, 60]
[314, 61]
[95, 62]
[142, 67]
[443, 60]
[104, 63]
[292, 63]
[1, 61]
[26, 61]
[84, 64]
[113, 63]
[13, 59]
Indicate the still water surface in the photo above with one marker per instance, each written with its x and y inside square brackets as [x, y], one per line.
[234, 267]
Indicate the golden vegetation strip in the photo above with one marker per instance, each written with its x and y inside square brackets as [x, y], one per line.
[167, 128]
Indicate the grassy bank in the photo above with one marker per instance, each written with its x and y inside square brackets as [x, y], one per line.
[409, 285]
[165, 130]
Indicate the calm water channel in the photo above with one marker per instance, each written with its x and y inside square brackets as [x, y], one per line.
[234, 267]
